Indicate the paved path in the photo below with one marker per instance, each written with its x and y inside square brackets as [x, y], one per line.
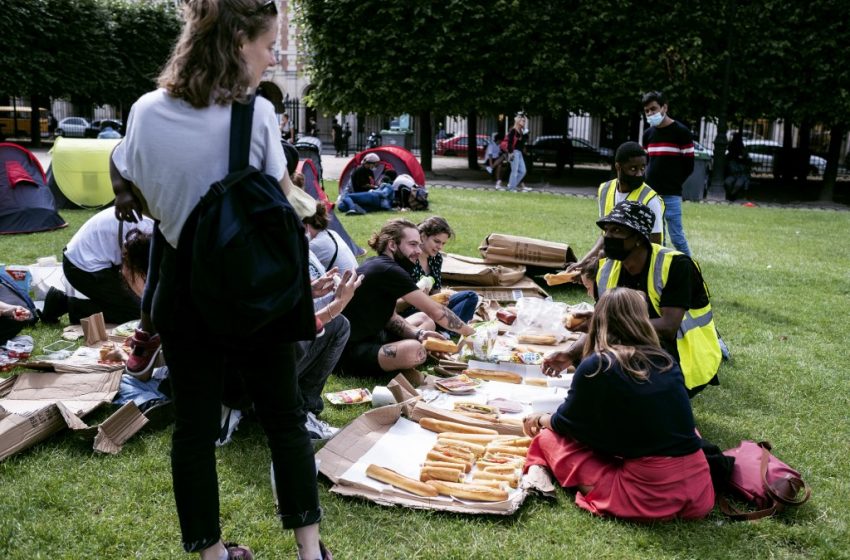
[583, 181]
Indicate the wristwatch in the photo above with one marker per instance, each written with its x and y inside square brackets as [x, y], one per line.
[419, 334]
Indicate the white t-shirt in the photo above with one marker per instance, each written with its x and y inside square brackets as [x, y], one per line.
[323, 246]
[317, 270]
[95, 246]
[654, 205]
[173, 152]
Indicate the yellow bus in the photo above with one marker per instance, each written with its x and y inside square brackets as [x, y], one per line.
[15, 121]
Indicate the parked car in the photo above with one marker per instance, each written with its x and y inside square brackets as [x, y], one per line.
[544, 149]
[96, 126]
[763, 152]
[458, 145]
[72, 126]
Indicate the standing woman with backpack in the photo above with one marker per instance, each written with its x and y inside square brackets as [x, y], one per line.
[177, 145]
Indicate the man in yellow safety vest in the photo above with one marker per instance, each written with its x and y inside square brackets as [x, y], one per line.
[677, 296]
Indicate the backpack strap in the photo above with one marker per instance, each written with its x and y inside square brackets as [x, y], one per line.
[241, 119]
[336, 251]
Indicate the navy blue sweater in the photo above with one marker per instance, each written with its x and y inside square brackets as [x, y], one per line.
[616, 415]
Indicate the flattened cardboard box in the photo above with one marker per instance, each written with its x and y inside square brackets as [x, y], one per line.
[461, 269]
[37, 405]
[504, 294]
[513, 249]
[352, 443]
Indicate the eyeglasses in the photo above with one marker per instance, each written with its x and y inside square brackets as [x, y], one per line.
[269, 7]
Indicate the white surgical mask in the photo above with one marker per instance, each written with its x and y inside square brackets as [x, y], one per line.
[655, 119]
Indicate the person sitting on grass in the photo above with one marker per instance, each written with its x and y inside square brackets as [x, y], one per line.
[625, 436]
[381, 341]
[379, 197]
[630, 163]
[435, 233]
[331, 250]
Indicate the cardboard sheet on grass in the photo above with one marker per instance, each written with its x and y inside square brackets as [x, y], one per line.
[513, 249]
[503, 294]
[35, 406]
[460, 269]
[383, 437]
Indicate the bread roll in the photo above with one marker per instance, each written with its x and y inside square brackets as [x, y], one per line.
[542, 339]
[500, 469]
[437, 345]
[523, 441]
[508, 450]
[475, 448]
[494, 375]
[469, 491]
[443, 297]
[472, 438]
[443, 464]
[553, 279]
[537, 381]
[491, 484]
[443, 458]
[393, 478]
[445, 426]
[455, 451]
[440, 473]
[511, 479]
[572, 321]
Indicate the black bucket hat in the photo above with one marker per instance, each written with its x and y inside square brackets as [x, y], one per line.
[633, 215]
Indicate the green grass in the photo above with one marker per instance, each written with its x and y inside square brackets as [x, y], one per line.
[780, 285]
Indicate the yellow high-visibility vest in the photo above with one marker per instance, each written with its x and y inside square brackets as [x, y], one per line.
[696, 340]
[642, 194]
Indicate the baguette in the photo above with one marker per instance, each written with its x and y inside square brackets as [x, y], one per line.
[490, 484]
[443, 464]
[469, 491]
[511, 479]
[472, 438]
[554, 279]
[524, 441]
[445, 426]
[440, 473]
[508, 449]
[453, 451]
[468, 406]
[543, 339]
[537, 381]
[443, 458]
[397, 480]
[500, 469]
[437, 345]
[572, 321]
[475, 448]
[502, 459]
[494, 375]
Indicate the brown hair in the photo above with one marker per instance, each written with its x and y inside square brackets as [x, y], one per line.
[620, 332]
[435, 225]
[298, 180]
[135, 254]
[319, 220]
[206, 65]
[393, 230]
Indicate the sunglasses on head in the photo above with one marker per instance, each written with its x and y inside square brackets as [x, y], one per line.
[269, 7]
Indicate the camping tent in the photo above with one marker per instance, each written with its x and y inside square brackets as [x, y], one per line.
[392, 157]
[315, 189]
[79, 172]
[26, 204]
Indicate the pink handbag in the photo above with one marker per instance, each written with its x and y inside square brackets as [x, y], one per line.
[761, 479]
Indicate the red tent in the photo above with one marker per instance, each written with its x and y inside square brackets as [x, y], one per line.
[26, 203]
[392, 157]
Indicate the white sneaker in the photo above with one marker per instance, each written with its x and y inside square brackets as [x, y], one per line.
[499, 186]
[525, 189]
[489, 170]
[230, 418]
[319, 429]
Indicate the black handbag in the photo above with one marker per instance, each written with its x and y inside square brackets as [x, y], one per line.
[249, 252]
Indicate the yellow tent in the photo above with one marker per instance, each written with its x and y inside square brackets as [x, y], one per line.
[79, 172]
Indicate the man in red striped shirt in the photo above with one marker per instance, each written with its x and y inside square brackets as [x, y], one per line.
[670, 147]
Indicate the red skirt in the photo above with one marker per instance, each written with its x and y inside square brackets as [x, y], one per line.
[642, 489]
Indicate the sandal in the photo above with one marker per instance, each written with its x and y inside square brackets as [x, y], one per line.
[238, 551]
[326, 554]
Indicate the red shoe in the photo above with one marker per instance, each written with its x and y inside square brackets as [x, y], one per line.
[145, 350]
[320, 327]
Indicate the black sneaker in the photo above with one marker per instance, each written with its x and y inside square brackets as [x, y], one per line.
[55, 305]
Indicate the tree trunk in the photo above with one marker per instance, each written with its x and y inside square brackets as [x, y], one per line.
[472, 139]
[425, 142]
[801, 161]
[836, 135]
[35, 121]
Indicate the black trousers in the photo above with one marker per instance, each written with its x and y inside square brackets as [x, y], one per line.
[107, 291]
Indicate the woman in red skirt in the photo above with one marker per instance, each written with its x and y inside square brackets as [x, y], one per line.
[624, 437]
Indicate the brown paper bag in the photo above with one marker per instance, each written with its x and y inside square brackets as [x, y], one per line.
[472, 270]
[513, 249]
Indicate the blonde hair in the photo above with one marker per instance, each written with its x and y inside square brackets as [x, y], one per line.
[393, 230]
[206, 65]
[620, 332]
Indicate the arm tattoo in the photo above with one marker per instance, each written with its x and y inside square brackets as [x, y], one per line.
[389, 350]
[400, 327]
[449, 320]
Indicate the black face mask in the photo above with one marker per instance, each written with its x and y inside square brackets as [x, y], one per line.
[403, 261]
[632, 181]
[615, 248]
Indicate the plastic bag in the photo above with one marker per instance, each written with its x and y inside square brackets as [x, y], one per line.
[537, 316]
[482, 342]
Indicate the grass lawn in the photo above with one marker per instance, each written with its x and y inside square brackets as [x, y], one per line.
[780, 286]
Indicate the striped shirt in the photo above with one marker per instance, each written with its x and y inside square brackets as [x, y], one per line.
[671, 157]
